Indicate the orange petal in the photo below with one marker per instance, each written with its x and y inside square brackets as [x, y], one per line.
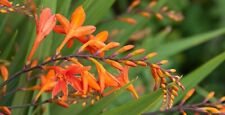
[92, 81]
[133, 91]
[63, 21]
[85, 83]
[78, 17]
[5, 110]
[156, 78]
[59, 29]
[49, 25]
[4, 72]
[83, 30]
[75, 82]
[101, 70]
[102, 36]
[110, 80]
[5, 3]
[56, 90]
[70, 43]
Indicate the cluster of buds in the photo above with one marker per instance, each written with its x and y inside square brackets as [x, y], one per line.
[74, 79]
[206, 107]
[148, 11]
[8, 7]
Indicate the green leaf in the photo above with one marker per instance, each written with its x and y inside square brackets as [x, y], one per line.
[9, 46]
[95, 10]
[136, 107]
[172, 48]
[194, 78]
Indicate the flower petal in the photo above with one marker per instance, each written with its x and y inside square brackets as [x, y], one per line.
[102, 36]
[63, 21]
[78, 17]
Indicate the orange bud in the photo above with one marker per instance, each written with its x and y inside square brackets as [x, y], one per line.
[145, 14]
[152, 3]
[84, 104]
[172, 70]
[114, 64]
[142, 63]
[62, 103]
[159, 16]
[92, 102]
[129, 63]
[5, 110]
[222, 99]
[90, 42]
[210, 109]
[136, 52]
[108, 47]
[133, 4]
[3, 11]
[209, 96]
[128, 20]
[163, 62]
[150, 55]
[187, 96]
[174, 92]
[4, 72]
[123, 49]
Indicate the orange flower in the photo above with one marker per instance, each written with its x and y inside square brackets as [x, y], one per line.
[44, 26]
[74, 28]
[94, 43]
[88, 80]
[67, 76]
[5, 3]
[105, 78]
[47, 84]
[123, 80]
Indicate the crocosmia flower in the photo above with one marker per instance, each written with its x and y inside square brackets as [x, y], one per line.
[44, 25]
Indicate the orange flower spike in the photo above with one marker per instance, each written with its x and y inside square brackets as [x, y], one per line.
[5, 110]
[5, 3]
[44, 25]
[123, 78]
[74, 28]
